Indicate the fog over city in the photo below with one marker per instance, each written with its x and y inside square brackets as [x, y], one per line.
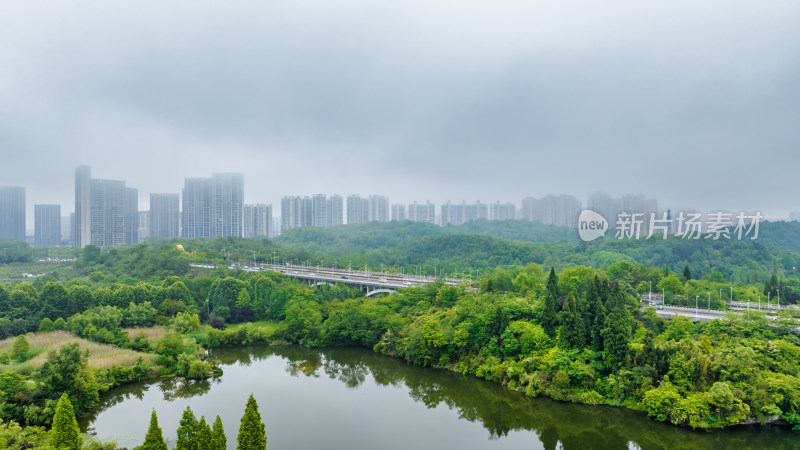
[694, 104]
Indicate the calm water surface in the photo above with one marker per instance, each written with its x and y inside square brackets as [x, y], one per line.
[355, 399]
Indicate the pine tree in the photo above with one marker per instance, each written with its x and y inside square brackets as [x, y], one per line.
[597, 314]
[187, 431]
[687, 274]
[573, 333]
[203, 435]
[65, 432]
[251, 430]
[551, 305]
[154, 440]
[218, 439]
[616, 335]
[771, 285]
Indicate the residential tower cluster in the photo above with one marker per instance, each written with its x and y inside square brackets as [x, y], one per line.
[107, 214]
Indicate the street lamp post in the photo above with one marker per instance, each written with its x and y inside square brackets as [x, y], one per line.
[709, 301]
[696, 313]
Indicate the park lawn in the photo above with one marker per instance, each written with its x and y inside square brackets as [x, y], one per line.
[101, 356]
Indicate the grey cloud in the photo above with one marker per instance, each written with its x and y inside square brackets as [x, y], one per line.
[418, 101]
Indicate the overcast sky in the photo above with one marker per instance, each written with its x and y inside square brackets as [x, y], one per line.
[693, 103]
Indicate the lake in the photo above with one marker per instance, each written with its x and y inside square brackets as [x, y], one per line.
[346, 398]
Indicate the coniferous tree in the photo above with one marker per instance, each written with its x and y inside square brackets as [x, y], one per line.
[65, 432]
[617, 332]
[203, 434]
[687, 274]
[597, 313]
[154, 440]
[551, 305]
[771, 285]
[187, 431]
[218, 439]
[251, 429]
[573, 333]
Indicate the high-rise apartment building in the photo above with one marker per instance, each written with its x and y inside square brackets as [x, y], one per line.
[455, 214]
[319, 208]
[213, 207]
[82, 231]
[114, 213]
[502, 211]
[374, 208]
[357, 209]
[106, 211]
[562, 210]
[164, 218]
[47, 225]
[66, 229]
[378, 208]
[610, 208]
[257, 220]
[399, 212]
[296, 211]
[12, 213]
[334, 208]
[144, 225]
[425, 212]
[316, 211]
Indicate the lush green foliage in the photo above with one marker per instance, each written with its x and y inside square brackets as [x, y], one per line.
[251, 429]
[154, 439]
[66, 433]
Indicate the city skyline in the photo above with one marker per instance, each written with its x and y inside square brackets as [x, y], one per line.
[561, 210]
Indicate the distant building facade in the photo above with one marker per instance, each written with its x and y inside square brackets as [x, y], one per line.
[12, 213]
[399, 212]
[47, 225]
[502, 211]
[334, 211]
[106, 211]
[164, 217]
[422, 212]
[315, 211]
[562, 210]
[457, 214]
[610, 207]
[374, 208]
[144, 225]
[213, 207]
[257, 220]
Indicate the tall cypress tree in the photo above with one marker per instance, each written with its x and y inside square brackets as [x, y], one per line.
[251, 429]
[573, 333]
[687, 274]
[187, 431]
[65, 432]
[597, 314]
[218, 439]
[154, 440]
[771, 285]
[551, 305]
[203, 435]
[616, 335]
